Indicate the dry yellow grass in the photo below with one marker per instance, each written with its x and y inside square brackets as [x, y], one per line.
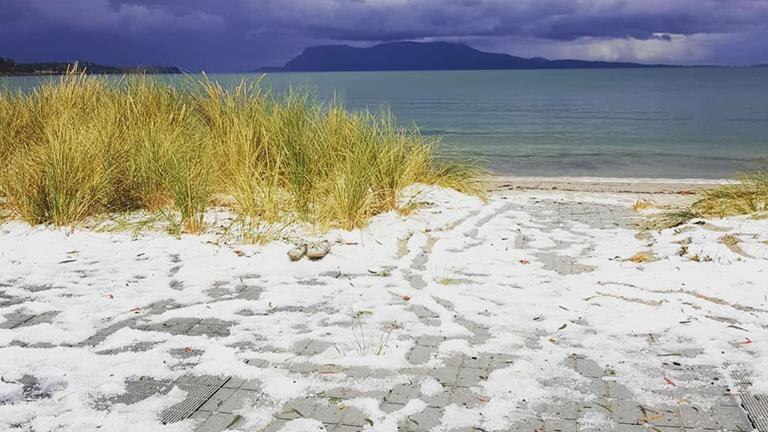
[730, 240]
[641, 257]
[747, 196]
[85, 146]
[643, 204]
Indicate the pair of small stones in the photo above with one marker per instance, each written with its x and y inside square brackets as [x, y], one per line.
[313, 251]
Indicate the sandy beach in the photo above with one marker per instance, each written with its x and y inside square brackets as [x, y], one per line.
[384, 216]
[542, 308]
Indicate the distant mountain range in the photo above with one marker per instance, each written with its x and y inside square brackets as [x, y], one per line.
[428, 56]
[10, 67]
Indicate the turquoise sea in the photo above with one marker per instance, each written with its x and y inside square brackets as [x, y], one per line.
[661, 123]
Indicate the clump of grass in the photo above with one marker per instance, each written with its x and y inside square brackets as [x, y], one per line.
[730, 240]
[642, 204]
[85, 146]
[747, 196]
[59, 165]
[641, 257]
[672, 219]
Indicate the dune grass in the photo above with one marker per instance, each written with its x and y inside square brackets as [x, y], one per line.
[746, 196]
[85, 146]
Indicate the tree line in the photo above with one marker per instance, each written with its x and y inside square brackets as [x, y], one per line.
[9, 66]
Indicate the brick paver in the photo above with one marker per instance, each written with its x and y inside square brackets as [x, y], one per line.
[220, 403]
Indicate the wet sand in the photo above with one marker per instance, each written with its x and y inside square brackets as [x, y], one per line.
[600, 184]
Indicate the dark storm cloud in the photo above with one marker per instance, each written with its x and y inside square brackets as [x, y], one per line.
[237, 34]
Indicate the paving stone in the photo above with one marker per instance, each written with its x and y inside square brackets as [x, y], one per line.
[626, 412]
[446, 376]
[480, 361]
[237, 400]
[208, 330]
[402, 393]
[252, 385]
[617, 391]
[217, 399]
[249, 293]
[43, 318]
[218, 422]
[589, 368]
[465, 397]
[557, 425]
[730, 400]
[13, 320]
[297, 408]
[430, 341]
[212, 401]
[347, 428]
[423, 421]
[438, 400]
[328, 413]
[364, 372]
[731, 418]
[174, 325]
[102, 334]
[315, 347]
[620, 427]
[661, 417]
[303, 367]
[468, 377]
[354, 417]
[234, 382]
[499, 361]
[200, 416]
[423, 312]
[630, 412]
[562, 410]
[275, 425]
[527, 425]
[389, 407]
[420, 354]
[340, 393]
[455, 361]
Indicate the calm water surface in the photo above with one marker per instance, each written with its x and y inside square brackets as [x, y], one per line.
[669, 123]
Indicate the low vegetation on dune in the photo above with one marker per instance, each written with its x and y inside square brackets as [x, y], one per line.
[84, 146]
[748, 195]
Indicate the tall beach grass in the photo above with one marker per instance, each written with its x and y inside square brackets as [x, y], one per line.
[748, 195]
[85, 146]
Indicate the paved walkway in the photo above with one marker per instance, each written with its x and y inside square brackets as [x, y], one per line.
[217, 402]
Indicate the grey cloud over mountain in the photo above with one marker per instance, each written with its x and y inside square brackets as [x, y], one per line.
[238, 34]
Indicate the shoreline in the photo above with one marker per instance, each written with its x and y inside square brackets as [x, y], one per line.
[602, 184]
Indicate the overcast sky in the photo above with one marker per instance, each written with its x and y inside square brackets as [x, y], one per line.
[237, 35]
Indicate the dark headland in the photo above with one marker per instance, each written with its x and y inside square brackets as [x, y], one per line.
[9, 66]
[427, 56]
